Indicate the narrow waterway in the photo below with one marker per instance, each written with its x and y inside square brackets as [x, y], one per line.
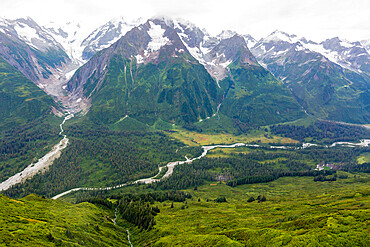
[171, 165]
[42, 164]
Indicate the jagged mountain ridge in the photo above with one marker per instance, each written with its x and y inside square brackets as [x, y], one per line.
[203, 47]
[154, 72]
[29, 48]
[350, 55]
[168, 46]
[320, 84]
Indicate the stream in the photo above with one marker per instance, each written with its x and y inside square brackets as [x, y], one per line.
[42, 164]
[171, 165]
[114, 221]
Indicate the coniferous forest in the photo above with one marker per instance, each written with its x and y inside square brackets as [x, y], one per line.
[157, 133]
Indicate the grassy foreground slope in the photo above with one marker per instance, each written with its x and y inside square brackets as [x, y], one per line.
[34, 221]
[298, 212]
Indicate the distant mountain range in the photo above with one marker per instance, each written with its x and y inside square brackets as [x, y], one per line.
[173, 71]
[330, 80]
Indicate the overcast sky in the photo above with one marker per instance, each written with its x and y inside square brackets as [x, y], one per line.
[314, 19]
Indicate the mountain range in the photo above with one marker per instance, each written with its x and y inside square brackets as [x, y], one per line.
[167, 127]
[171, 70]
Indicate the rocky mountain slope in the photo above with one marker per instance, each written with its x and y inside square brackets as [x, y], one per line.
[21, 100]
[156, 70]
[29, 48]
[147, 74]
[330, 79]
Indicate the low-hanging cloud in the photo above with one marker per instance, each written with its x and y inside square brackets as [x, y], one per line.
[316, 19]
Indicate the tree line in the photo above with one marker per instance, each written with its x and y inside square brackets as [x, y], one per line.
[322, 131]
[99, 157]
[136, 208]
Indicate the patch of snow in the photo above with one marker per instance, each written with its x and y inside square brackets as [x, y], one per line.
[139, 59]
[263, 48]
[299, 48]
[273, 47]
[226, 34]
[156, 33]
[70, 74]
[225, 64]
[281, 52]
[346, 44]
[178, 26]
[196, 53]
[26, 33]
[42, 85]
[281, 36]
[203, 49]
[331, 55]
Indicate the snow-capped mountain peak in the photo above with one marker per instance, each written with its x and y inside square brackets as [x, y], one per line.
[277, 36]
[70, 36]
[226, 34]
[349, 55]
[27, 30]
[366, 45]
[158, 39]
[106, 35]
[249, 40]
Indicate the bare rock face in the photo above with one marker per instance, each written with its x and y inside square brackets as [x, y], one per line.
[30, 48]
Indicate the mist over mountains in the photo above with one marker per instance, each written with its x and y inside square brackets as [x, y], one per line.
[156, 133]
[328, 80]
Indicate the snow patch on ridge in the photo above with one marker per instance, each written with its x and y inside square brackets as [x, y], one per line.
[346, 44]
[70, 74]
[281, 36]
[158, 40]
[26, 33]
[226, 34]
[156, 33]
[139, 59]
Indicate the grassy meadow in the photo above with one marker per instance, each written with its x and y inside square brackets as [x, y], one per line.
[297, 212]
[35, 221]
[192, 138]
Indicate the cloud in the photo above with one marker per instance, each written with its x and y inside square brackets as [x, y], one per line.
[315, 19]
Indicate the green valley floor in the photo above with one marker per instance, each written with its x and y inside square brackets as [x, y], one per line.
[297, 212]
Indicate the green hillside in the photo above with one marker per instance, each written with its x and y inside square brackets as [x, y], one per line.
[173, 90]
[297, 212]
[290, 211]
[34, 221]
[325, 89]
[21, 101]
[28, 130]
[255, 97]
